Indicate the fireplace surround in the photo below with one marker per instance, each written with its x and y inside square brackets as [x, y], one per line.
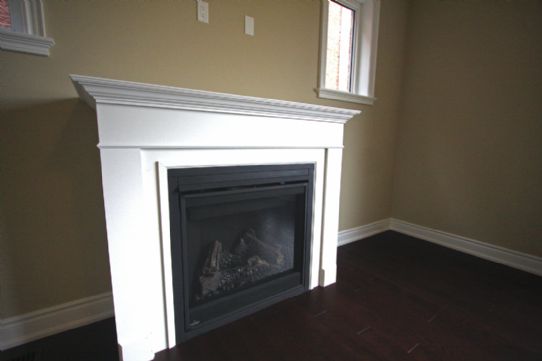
[148, 132]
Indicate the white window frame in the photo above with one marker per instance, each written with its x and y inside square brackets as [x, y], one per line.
[27, 33]
[364, 48]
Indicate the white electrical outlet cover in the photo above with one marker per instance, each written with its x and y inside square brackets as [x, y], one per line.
[203, 11]
[249, 25]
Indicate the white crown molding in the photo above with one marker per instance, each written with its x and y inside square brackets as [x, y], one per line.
[355, 234]
[95, 90]
[18, 330]
[25, 43]
[511, 258]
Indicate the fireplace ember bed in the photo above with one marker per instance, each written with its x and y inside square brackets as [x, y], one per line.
[240, 240]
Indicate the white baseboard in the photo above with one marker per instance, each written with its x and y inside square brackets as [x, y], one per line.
[514, 259]
[355, 234]
[511, 258]
[17, 330]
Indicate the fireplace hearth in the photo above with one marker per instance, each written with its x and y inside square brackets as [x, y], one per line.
[240, 240]
[252, 236]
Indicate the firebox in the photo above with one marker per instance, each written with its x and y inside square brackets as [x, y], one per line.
[240, 239]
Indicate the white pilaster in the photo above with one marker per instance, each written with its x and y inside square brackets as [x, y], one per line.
[330, 228]
[129, 252]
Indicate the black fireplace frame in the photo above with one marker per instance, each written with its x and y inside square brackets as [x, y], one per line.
[235, 180]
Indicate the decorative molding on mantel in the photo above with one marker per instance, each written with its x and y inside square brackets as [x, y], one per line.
[95, 90]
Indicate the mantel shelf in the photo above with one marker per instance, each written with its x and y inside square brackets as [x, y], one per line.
[94, 90]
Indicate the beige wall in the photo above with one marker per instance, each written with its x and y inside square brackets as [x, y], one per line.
[465, 158]
[370, 142]
[53, 246]
[469, 153]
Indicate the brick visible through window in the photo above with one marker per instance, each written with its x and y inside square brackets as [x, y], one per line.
[5, 18]
[340, 33]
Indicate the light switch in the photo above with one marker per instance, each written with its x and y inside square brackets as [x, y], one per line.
[249, 25]
[203, 11]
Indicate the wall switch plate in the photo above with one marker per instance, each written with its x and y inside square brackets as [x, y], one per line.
[203, 11]
[249, 25]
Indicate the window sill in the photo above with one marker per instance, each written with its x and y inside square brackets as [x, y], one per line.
[25, 43]
[345, 96]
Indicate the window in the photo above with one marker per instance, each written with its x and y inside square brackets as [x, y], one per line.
[348, 50]
[22, 27]
[340, 37]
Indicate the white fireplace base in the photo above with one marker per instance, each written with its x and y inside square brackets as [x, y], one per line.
[145, 130]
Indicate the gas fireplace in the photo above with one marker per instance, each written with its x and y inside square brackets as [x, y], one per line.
[216, 205]
[240, 238]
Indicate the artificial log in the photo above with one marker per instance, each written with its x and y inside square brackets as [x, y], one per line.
[250, 261]
[212, 263]
[268, 251]
[211, 275]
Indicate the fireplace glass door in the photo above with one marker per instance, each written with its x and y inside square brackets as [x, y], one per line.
[240, 240]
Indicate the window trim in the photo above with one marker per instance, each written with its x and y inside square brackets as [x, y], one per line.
[364, 49]
[28, 35]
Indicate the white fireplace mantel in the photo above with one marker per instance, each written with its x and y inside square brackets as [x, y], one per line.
[146, 129]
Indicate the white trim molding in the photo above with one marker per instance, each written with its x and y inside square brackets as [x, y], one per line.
[25, 43]
[18, 330]
[518, 260]
[355, 234]
[511, 258]
[344, 96]
[95, 90]
[27, 32]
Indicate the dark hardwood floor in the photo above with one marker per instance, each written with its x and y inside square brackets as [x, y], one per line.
[396, 298]
[94, 342]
